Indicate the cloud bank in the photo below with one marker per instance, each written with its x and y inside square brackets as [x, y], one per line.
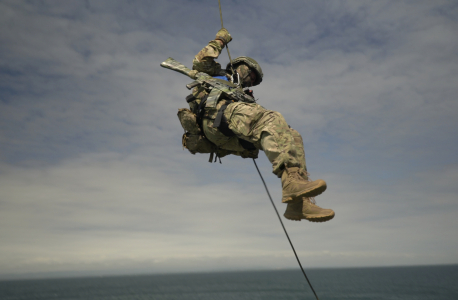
[93, 178]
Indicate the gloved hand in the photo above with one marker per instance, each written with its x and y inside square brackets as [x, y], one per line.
[224, 36]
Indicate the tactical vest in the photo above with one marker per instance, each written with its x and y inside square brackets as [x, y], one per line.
[210, 104]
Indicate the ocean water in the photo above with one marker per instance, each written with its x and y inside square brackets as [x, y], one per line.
[406, 283]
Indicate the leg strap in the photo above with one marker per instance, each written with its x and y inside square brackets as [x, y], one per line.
[219, 116]
[223, 126]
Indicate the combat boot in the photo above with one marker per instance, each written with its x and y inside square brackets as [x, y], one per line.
[306, 209]
[294, 210]
[295, 186]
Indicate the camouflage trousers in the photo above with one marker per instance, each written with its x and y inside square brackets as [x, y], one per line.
[266, 129]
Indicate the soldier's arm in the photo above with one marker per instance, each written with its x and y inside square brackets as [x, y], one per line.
[204, 61]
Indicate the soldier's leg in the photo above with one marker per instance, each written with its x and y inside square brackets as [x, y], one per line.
[299, 144]
[269, 131]
[305, 207]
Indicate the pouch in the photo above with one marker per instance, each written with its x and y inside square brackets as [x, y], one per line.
[197, 143]
[188, 120]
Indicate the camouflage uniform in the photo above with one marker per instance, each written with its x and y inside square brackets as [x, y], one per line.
[266, 129]
[245, 125]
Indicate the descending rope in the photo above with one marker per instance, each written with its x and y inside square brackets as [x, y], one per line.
[222, 26]
[220, 14]
[267, 190]
[281, 222]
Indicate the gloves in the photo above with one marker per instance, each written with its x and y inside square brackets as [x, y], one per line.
[224, 36]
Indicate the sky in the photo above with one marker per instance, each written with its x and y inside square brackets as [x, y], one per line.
[94, 179]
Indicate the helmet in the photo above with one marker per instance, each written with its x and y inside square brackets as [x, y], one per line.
[254, 66]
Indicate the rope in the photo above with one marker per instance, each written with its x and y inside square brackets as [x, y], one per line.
[267, 190]
[227, 46]
[281, 222]
[220, 13]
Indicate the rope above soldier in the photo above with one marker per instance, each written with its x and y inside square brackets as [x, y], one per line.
[223, 118]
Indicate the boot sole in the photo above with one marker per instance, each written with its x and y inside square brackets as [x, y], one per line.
[292, 217]
[320, 219]
[313, 192]
[314, 218]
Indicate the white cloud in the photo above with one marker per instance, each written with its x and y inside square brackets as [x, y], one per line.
[93, 176]
[114, 211]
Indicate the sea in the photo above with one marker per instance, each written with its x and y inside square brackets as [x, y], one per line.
[406, 283]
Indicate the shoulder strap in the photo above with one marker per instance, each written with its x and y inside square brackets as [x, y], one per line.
[219, 116]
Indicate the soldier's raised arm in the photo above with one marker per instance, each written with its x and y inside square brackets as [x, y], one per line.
[204, 61]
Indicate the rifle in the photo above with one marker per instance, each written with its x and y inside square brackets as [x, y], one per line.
[214, 85]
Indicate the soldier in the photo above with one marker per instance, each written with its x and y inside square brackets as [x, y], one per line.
[245, 128]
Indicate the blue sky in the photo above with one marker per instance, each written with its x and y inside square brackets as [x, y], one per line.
[94, 180]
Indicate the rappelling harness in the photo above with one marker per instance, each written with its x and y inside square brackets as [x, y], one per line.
[209, 99]
[216, 93]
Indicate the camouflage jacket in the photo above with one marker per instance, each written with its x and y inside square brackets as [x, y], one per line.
[205, 62]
